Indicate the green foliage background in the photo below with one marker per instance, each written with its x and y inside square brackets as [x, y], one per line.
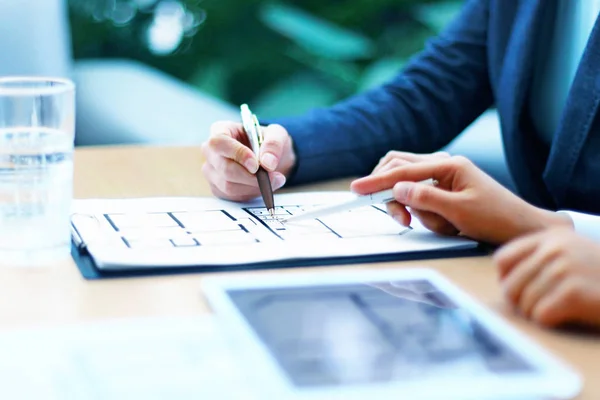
[282, 57]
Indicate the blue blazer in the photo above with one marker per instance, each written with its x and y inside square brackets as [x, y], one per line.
[485, 57]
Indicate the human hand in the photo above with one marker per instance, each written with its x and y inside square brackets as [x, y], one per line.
[230, 164]
[552, 277]
[465, 201]
[395, 159]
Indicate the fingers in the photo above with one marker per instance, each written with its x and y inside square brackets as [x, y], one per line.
[234, 130]
[423, 197]
[234, 191]
[435, 223]
[397, 158]
[228, 170]
[574, 299]
[440, 170]
[561, 305]
[431, 221]
[275, 140]
[231, 164]
[550, 280]
[391, 164]
[545, 282]
[399, 213]
[226, 143]
[526, 271]
[515, 252]
[387, 180]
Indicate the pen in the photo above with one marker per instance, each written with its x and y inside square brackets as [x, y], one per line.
[384, 196]
[254, 133]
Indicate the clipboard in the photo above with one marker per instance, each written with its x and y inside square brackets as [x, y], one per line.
[88, 269]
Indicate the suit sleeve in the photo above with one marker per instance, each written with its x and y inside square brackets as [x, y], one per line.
[585, 224]
[440, 92]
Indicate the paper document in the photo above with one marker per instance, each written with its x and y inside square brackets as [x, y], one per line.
[163, 232]
[153, 358]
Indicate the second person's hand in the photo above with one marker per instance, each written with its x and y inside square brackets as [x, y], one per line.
[466, 201]
[552, 277]
[230, 164]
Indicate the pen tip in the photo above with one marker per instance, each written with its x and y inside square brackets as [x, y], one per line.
[272, 212]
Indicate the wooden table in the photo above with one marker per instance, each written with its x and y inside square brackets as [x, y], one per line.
[59, 295]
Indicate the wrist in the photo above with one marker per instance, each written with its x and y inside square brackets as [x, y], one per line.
[530, 219]
[552, 219]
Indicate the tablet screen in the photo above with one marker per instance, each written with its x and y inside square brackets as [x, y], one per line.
[372, 332]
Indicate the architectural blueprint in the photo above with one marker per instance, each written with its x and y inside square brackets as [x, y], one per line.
[207, 231]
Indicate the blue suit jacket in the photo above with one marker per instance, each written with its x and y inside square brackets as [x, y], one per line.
[485, 57]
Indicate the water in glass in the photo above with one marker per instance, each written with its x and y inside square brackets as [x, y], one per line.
[36, 169]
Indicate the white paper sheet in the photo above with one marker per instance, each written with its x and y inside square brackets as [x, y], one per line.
[150, 358]
[159, 232]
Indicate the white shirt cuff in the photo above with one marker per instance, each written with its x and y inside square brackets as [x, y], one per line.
[585, 224]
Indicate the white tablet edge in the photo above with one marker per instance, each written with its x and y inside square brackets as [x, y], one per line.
[555, 377]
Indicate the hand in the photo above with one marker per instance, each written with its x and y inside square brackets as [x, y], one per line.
[552, 277]
[395, 159]
[230, 163]
[466, 201]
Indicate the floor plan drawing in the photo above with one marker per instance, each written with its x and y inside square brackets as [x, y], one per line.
[219, 227]
[209, 231]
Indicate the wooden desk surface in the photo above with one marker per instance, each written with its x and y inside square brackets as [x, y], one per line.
[59, 295]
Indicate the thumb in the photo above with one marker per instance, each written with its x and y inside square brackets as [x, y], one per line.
[423, 197]
[276, 138]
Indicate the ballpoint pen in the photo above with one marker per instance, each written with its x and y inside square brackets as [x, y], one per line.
[385, 196]
[255, 137]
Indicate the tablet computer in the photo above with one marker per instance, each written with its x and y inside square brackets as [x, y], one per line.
[387, 334]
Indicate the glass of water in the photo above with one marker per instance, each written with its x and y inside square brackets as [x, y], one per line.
[37, 132]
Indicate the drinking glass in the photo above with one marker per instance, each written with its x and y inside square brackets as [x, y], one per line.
[37, 131]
